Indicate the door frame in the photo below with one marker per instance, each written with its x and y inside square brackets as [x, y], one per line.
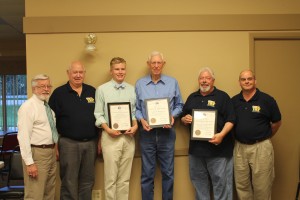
[254, 36]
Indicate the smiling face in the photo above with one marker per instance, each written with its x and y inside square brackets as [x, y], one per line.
[156, 64]
[247, 80]
[76, 74]
[42, 89]
[118, 72]
[206, 82]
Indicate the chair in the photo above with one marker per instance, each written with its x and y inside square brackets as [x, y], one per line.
[9, 142]
[14, 188]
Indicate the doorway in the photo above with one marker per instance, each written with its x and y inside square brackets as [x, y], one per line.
[276, 61]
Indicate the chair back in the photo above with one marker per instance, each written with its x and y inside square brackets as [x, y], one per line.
[16, 167]
[14, 188]
[10, 141]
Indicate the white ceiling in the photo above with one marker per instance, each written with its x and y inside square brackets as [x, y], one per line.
[11, 19]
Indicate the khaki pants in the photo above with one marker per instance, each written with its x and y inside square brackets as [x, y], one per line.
[254, 170]
[42, 187]
[118, 155]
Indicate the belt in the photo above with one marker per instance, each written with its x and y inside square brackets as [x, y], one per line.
[253, 141]
[79, 140]
[44, 146]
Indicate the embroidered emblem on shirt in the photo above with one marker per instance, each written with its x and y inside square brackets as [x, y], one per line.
[256, 109]
[90, 100]
[211, 103]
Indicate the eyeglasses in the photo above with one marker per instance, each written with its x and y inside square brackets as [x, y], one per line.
[156, 63]
[247, 79]
[44, 87]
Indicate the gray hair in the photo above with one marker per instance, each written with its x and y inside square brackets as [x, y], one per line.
[38, 77]
[155, 53]
[207, 69]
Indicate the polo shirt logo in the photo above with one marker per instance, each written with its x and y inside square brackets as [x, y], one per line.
[256, 109]
[211, 103]
[90, 100]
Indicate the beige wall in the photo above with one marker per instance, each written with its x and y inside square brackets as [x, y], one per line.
[195, 41]
[156, 7]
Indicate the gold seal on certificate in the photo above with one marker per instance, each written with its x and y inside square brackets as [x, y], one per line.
[158, 112]
[204, 124]
[197, 132]
[153, 120]
[116, 126]
[119, 114]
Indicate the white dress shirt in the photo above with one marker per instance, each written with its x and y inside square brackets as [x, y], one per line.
[33, 127]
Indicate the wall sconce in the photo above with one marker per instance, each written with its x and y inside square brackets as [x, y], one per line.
[90, 40]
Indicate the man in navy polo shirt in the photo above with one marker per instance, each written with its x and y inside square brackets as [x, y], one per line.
[74, 104]
[258, 119]
[211, 159]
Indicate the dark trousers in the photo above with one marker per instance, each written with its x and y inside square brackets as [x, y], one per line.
[77, 171]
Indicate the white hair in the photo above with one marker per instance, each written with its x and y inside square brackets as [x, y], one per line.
[38, 77]
[155, 53]
[207, 69]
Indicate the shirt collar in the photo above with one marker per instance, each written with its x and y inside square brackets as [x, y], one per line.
[118, 85]
[70, 89]
[149, 80]
[254, 98]
[37, 99]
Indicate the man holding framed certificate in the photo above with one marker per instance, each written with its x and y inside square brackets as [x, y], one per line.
[115, 114]
[210, 116]
[158, 103]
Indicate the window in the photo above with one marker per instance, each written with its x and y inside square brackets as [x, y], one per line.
[13, 92]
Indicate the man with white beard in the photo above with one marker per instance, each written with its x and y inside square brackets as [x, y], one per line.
[37, 136]
[211, 158]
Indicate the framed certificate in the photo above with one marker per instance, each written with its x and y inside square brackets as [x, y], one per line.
[119, 116]
[158, 112]
[204, 124]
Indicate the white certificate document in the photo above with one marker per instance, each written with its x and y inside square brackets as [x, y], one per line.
[158, 112]
[204, 124]
[119, 116]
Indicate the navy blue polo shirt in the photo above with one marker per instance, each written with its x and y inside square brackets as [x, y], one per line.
[74, 114]
[255, 116]
[216, 100]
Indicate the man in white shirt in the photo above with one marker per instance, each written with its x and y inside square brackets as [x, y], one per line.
[35, 135]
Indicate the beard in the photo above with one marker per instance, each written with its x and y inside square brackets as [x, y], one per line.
[202, 89]
[43, 97]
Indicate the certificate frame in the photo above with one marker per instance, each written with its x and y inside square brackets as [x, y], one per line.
[158, 112]
[119, 114]
[204, 124]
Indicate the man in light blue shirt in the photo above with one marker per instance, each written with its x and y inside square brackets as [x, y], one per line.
[157, 143]
[117, 146]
